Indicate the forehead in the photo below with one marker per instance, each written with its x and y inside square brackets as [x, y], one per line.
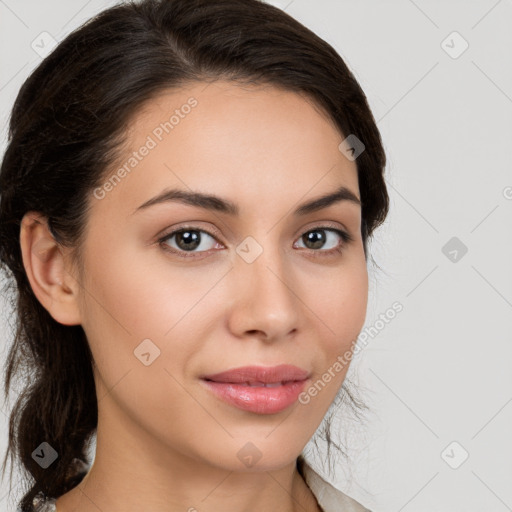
[243, 141]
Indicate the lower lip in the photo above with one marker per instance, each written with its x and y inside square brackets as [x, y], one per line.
[260, 400]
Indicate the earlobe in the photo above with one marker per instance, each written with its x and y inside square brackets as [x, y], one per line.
[45, 266]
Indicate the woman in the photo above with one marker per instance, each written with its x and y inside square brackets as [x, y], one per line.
[186, 200]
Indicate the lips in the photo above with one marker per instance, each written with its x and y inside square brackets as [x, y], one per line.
[260, 376]
[258, 389]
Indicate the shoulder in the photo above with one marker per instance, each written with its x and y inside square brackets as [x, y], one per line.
[329, 497]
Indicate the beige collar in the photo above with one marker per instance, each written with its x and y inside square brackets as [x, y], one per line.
[328, 497]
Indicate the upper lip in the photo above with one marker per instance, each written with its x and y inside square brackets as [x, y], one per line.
[265, 374]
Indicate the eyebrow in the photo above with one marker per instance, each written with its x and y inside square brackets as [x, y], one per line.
[215, 203]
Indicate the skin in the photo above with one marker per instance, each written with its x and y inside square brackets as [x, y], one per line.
[164, 442]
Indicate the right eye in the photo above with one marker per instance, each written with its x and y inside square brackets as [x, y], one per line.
[187, 239]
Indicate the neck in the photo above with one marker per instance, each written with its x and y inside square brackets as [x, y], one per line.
[148, 476]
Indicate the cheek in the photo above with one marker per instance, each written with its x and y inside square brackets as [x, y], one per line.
[134, 295]
[123, 305]
[342, 310]
[352, 301]
[127, 303]
[124, 297]
[341, 304]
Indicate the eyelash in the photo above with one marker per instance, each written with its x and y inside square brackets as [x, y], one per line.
[346, 239]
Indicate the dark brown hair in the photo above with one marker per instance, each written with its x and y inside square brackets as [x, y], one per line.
[66, 127]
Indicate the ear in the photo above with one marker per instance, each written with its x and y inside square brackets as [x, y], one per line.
[48, 271]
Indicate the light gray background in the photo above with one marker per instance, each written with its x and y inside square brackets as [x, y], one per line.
[439, 372]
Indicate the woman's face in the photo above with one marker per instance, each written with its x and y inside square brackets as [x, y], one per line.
[265, 286]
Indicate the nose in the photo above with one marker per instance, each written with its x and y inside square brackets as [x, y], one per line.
[265, 303]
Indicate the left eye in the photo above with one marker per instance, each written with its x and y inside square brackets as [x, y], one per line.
[316, 238]
[190, 239]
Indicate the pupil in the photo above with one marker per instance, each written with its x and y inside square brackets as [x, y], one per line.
[317, 238]
[188, 240]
